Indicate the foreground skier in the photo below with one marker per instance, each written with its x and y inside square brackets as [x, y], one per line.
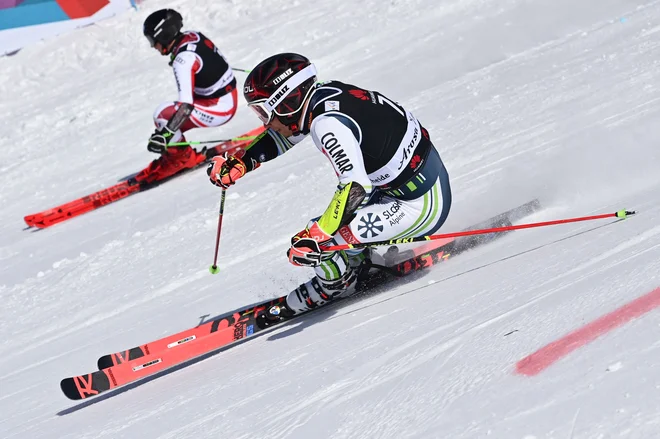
[392, 182]
[207, 92]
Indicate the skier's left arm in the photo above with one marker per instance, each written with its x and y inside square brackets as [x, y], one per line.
[185, 65]
[334, 137]
[225, 170]
[267, 146]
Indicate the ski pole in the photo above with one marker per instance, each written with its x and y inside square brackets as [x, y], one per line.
[620, 214]
[241, 70]
[202, 142]
[214, 268]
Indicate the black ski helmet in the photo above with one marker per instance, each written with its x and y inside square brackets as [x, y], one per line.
[278, 87]
[163, 27]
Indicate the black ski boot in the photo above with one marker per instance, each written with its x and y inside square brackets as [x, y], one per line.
[274, 315]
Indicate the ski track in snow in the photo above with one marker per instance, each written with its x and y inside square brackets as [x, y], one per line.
[524, 99]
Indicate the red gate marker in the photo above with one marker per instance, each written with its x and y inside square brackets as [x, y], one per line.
[549, 354]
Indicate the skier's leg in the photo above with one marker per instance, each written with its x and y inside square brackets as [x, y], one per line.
[418, 207]
[334, 276]
[175, 158]
[206, 113]
[404, 213]
[387, 218]
[164, 113]
[393, 218]
[214, 112]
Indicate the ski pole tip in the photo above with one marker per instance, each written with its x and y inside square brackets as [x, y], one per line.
[214, 269]
[625, 213]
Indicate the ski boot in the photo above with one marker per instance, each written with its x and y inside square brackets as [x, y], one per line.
[175, 160]
[274, 315]
[312, 294]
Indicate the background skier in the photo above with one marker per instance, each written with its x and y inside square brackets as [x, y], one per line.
[207, 92]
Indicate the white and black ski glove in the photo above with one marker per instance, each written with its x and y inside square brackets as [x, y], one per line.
[161, 137]
[159, 140]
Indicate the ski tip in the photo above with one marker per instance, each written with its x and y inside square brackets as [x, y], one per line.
[104, 362]
[84, 386]
[69, 389]
[625, 213]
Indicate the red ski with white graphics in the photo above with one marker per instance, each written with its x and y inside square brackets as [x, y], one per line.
[133, 364]
[126, 188]
[167, 352]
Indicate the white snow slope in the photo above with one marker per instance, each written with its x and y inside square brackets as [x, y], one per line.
[556, 99]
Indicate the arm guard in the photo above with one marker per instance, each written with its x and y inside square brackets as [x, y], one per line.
[341, 211]
[180, 117]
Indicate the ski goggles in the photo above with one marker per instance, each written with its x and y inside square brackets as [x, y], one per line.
[267, 108]
[156, 45]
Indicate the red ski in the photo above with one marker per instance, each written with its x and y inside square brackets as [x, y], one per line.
[171, 351]
[122, 368]
[124, 189]
[180, 339]
[133, 364]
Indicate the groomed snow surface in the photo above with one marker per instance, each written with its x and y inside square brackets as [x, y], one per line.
[557, 100]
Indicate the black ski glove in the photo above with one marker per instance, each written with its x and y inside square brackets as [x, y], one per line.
[159, 140]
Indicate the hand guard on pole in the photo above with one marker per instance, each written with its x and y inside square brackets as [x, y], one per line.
[224, 170]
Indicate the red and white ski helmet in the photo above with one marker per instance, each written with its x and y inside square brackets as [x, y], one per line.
[278, 87]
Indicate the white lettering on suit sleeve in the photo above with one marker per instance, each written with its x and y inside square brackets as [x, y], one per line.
[337, 142]
[185, 65]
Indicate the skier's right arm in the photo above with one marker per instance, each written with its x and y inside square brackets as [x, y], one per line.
[225, 170]
[185, 66]
[265, 147]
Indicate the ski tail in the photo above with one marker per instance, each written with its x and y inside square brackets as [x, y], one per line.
[235, 145]
[82, 205]
[434, 252]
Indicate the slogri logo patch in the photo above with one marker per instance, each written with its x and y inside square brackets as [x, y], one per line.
[370, 226]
